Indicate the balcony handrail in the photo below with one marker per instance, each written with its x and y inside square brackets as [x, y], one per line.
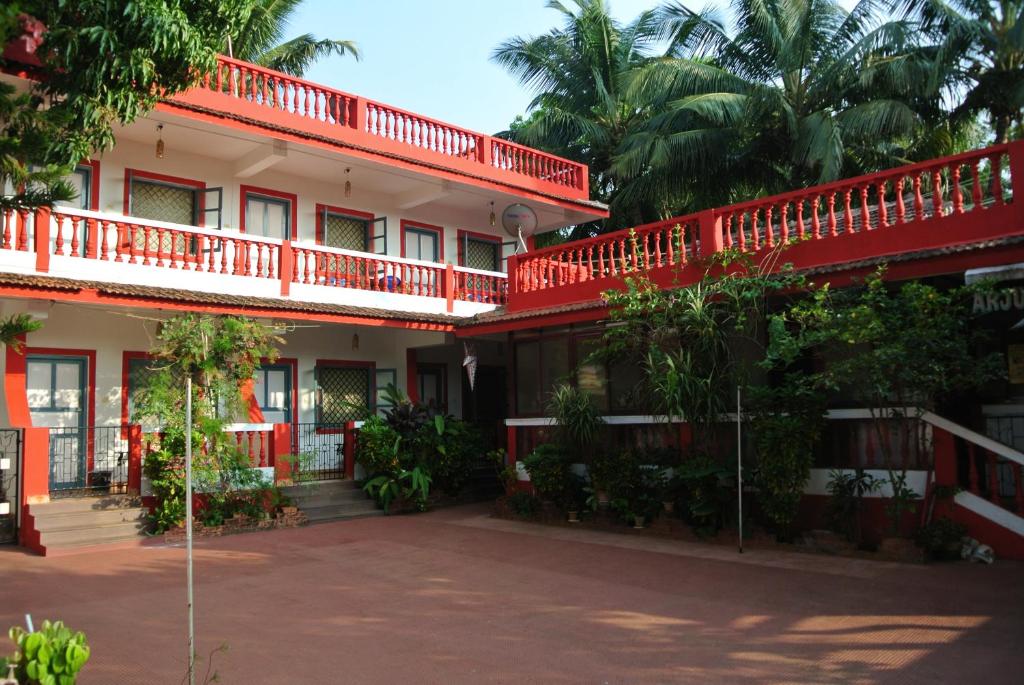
[344, 252]
[480, 272]
[621, 234]
[281, 76]
[154, 223]
[867, 179]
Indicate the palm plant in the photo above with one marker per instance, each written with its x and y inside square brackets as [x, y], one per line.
[582, 108]
[979, 56]
[800, 92]
[261, 40]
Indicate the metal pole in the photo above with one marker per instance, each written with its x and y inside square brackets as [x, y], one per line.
[739, 465]
[188, 531]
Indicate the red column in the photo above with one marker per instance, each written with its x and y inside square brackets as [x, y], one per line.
[511, 446]
[281, 447]
[711, 238]
[449, 286]
[41, 229]
[135, 459]
[944, 457]
[350, 449]
[285, 267]
[35, 484]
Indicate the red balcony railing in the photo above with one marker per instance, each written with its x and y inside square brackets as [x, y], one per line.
[272, 97]
[916, 207]
[70, 241]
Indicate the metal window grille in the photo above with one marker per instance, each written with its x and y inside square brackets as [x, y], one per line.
[482, 254]
[162, 202]
[342, 392]
[345, 232]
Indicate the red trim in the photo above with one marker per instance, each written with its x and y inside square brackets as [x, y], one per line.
[94, 183]
[90, 356]
[406, 223]
[343, 364]
[126, 360]
[15, 391]
[461, 235]
[321, 208]
[292, 198]
[93, 296]
[164, 178]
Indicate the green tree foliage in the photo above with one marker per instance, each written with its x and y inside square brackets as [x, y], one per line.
[977, 51]
[579, 73]
[101, 63]
[218, 354]
[15, 326]
[796, 92]
[261, 39]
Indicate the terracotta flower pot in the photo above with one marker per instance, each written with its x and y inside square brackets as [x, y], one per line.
[289, 511]
[574, 517]
[638, 522]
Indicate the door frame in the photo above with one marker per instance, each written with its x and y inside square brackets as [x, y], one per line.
[88, 377]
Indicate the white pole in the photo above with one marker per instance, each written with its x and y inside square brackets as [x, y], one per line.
[739, 464]
[188, 530]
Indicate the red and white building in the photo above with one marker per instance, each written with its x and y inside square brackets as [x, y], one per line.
[371, 239]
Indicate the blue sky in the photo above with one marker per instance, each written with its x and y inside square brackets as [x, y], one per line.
[433, 56]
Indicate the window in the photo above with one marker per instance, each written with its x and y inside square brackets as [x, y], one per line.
[384, 378]
[269, 217]
[431, 384]
[81, 180]
[592, 376]
[272, 388]
[55, 384]
[479, 252]
[422, 241]
[346, 231]
[540, 365]
[343, 393]
[139, 374]
[163, 201]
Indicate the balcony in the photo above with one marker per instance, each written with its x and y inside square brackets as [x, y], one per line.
[258, 96]
[929, 210]
[96, 247]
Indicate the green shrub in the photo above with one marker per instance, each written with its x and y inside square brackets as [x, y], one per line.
[709, 491]
[941, 538]
[411, 485]
[447, 448]
[548, 467]
[523, 504]
[378, 448]
[51, 656]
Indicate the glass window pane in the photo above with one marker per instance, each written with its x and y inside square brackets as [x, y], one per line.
[626, 384]
[591, 376]
[37, 384]
[276, 388]
[554, 354]
[69, 394]
[528, 394]
[81, 181]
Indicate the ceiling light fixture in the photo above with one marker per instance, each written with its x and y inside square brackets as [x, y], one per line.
[348, 184]
[159, 141]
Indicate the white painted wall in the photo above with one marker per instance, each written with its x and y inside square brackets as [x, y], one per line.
[220, 173]
[112, 332]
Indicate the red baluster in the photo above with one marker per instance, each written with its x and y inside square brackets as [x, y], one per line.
[741, 233]
[975, 186]
[937, 202]
[225, 243]
[847, 211]
[58, 243]
[755, 233]
[918, 198]
[259, 260]
[76, 223]
[800, 231]
[784, 224]
[8, 218]
[769, 229]
[815, 219]
[865, 211]
[104, 226]
[198, 257]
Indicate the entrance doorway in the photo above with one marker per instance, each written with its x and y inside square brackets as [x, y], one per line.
[56, 390]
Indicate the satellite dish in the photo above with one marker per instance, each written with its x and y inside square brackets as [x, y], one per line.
[519, 220]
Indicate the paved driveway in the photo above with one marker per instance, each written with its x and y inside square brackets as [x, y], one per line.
[456, 597]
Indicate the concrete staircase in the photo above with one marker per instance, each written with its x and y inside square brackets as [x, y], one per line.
[331, 500]
[67, 524]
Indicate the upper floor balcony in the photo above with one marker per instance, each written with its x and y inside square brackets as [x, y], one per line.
[954, 213]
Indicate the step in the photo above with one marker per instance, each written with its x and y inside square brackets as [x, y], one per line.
[81, 537]
[77, 504]
[354, 498]
[87, 519]
[317, 514]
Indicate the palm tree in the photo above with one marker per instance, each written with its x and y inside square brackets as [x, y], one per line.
[801, 92]
[260, 40]
[980, 56]
[579, 73]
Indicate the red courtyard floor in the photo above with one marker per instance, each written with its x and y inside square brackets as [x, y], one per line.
[456, 597]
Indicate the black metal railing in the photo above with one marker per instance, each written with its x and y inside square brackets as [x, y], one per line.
[10, 465]
[319, 450]
[88, 460]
